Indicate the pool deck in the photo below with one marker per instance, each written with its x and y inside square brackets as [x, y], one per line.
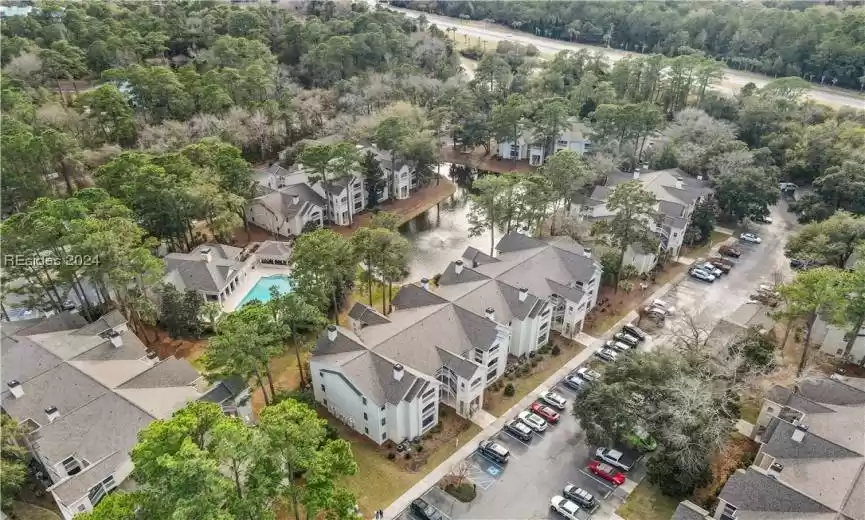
[260, 271]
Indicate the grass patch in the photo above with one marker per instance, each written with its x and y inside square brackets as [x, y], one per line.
[701, 250]
[465, 492]
[749, 410]
[498, 403]
[31, 512]
[647, 503]
[380, 481]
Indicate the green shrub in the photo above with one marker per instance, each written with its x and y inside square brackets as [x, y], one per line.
[555, 350]
[391, 456]
[407, 456]
[419, 448]
[510, 390]
[465, 492]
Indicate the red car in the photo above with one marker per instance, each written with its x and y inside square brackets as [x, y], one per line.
[607, 472]
[549, 415]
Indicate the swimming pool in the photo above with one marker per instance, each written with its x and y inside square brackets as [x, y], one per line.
[261, 290]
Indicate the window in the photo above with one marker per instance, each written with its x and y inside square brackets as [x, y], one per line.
[429, 394]
[324, 401]
[322, 388]
[365, 418]
[382, 408]
[542, 338]
[476, 382]
[492, 362]
[428, 420]
[563, 142]
[384, 436]
[364, 401]
[71, 466]
[492, 374]
[366, 430]
[383, 421]
[493, 349]
[98, 492]
[428, 407]
[320, 373]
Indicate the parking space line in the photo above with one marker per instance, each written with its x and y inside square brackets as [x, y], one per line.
[608, 487]
[514, 437]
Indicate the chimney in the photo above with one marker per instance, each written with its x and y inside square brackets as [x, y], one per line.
[587, 252]
[295, 199]
[636, 173]
[331, 332]
[16, 389]
[798, 434]
[52, 413]
[458, 266]
[679, 184]
[524, 293]
[776, 467]
[424, 282]
[398, 372]
[491, 314]
[699, 177]
[116, 338]
[206, 255]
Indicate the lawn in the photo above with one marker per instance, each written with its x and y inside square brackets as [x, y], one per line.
[380, 481]
[30, 512]
[647, 503]
[497, 403]
[699, 251]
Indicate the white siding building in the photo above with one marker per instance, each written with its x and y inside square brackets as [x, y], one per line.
[529, 148]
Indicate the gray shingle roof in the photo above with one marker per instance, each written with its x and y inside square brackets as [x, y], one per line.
[374, 375]
[787, 397]
[108, 321]
[689, 511]
[345, 342]
[671, 209]
[168, 373]
[750, 490]
[477, 257]
[450, 276]
[411, 296]
[72, 489]
[569, 293]
[517, 242]
[831, 391]
[502, 298]
[481, 332]
[367, 315]
[460, 365]
[200, 275]
[274, 248]
[59, 322]
[779, 443]
[23, 359]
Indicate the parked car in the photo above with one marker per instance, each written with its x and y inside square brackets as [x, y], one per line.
[555, 400]
[533, 421]
[607, 472]
[588, 374]
[711, 269]
[607, 354]
[495, 451]
[426, 511]
[730, 251]
[565, 507]
[751, 237]
[626, 338]
[804, 265]
[618, 346]
[582, 497]
[763, 219]
[724, 265]
[615, 458]
[574, 382]
[635, 331]
[700, 274]
[666, 306]
[639, 439]
[519, 430]
[547, 413]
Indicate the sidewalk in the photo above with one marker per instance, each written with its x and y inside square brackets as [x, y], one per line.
[434, 476]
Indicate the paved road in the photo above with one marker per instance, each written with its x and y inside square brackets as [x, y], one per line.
[732, 82]
[763, 263]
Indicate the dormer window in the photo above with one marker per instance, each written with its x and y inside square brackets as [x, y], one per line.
[71, 466]
[98, 492]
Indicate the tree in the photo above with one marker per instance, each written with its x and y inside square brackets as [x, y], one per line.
[633, 207]
[306, 462]
[373, 178]
[385, 220]
[391, 134]
[830, 241]
[815, 292]
[508, 119]
[395, 262]
[323, 268]
[676, 400]
[13, 472]
[292, 314]
[853, 289]
[369, 245]
[110, 115]
[702, 223]
[746, 193]
[485, 213]
[566, 171]
[119, 505]
[549, 118]
[181, 312]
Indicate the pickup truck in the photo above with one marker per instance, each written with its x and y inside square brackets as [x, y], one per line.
[616, 458]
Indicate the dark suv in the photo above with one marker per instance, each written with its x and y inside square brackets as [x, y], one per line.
[519, 430]
[426, 511]
[494, 451]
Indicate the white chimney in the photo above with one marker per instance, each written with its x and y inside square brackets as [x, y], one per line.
[206, 255]
[52, 413]
[398, 372]
[587, 252]
[458, 266]
[491, 314]
[424, 282]
[116, 338]
[637, 173]
[295, 199]
[798, 435]
[679, 184]
[16, 389]
[331, 332]
[524, 293]
[699, 177]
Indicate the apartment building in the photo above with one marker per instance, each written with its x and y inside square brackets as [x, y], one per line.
[530, 147]
[811, 461]
[677, 195]
[83, 391]
[386, 376]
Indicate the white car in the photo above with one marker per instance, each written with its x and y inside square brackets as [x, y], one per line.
[588, 374]
[667, 307]
[751, 237]
[535, 422]
[607, 354]
[564, 507]
[701, 274]
[618, 346]
[709, 268]
[555, 400]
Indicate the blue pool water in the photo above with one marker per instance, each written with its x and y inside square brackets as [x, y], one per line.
[261, 290]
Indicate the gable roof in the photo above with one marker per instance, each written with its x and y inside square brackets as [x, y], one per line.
[366, 315]
[274, 248]
[504, 299]
[750, 490]
[687, 510]
[450, 277]
[477, 257]
[517, 242]
[374, 374]
[778, 442]
[411, 296]
[197, 274]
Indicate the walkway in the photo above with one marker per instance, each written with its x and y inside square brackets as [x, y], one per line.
[592, 345]
[483, 418]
